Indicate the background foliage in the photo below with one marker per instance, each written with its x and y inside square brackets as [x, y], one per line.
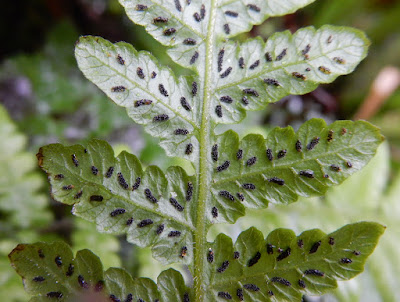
[50, 101]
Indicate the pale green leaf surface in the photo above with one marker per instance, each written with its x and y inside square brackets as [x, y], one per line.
[253, 12]
[43, 275]
[97, 58]
[359, 238]
[352, 145]
[79, 184]
[183, 22]
[333, 51]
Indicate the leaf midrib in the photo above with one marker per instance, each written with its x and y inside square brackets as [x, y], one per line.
[203, 171]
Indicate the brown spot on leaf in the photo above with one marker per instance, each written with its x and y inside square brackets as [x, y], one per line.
[40, 157]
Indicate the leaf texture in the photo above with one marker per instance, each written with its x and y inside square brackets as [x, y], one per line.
[152, 95]
[284, 267]
[151, 207]
[51, 273]
[287, 165]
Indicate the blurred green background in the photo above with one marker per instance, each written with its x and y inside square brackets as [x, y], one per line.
[45, 99]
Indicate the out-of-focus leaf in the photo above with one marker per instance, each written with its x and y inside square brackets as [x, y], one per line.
[105, 246]
[249, 14]
[20, 202]
[56, 101]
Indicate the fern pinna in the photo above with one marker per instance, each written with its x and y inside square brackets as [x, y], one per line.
[172, 211]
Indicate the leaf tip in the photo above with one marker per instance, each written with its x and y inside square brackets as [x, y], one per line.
[19, 248]
[77, 42]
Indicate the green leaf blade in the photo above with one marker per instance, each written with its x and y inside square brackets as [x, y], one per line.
[121, 285]
[270, 269]
[119, 197]
[285, 64]
[280, 173]
[172, 286]
[51, 272]
[250, 13]
[151, 94]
